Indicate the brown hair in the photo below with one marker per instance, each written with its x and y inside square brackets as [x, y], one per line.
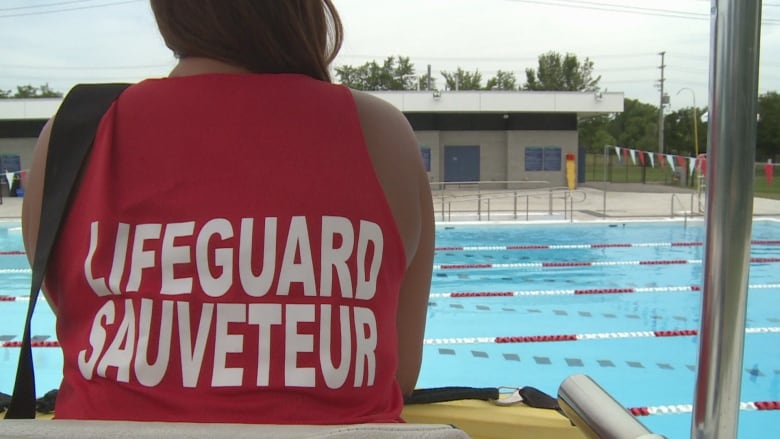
[263, 36]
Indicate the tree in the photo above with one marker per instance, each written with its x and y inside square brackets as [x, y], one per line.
[424, 82]
[768, 134]
[679, 133]
[561, 73]
[636, 127]
[502, 81]
[30, 91]
[393, 74]
[462, 80]
[594, 133]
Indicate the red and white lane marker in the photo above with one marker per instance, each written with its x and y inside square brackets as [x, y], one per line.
[579, 337]
[688, 408]
[582, 246]
[571, 264]
[34, 344]
[15, 270]
[667, 289]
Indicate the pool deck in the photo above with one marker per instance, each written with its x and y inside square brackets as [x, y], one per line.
[591, 202]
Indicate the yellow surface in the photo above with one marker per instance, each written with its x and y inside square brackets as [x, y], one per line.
[571, 174]
[485, 420]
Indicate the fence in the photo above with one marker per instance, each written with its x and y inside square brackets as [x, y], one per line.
[601, 167]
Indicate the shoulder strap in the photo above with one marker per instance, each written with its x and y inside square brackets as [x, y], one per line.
[72, 134]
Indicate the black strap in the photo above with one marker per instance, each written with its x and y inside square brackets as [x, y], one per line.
[72, 134]
[444, 394]
[532, 396]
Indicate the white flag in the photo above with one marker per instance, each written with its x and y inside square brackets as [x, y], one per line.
[632, 153]
[691, 165]
[670, 159]
[652, 159]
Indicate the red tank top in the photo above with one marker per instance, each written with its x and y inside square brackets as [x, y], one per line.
[229, 257]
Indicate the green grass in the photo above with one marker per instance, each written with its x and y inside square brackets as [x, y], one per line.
[625, 171]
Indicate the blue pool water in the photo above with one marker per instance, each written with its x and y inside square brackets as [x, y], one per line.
[639, 371]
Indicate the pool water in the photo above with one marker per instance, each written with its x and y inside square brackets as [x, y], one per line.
[603, 291]
[613, 287]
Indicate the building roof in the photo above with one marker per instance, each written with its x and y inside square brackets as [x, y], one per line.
[581, 103]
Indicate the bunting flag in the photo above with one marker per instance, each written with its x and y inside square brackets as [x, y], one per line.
[680, 160]
[769, 169]
[617, 151]
[652, 160]
[9, 176]
[632, 152]
[691, 165]
[670, 159]
[661, 160]
[642, 158]
[625, 155]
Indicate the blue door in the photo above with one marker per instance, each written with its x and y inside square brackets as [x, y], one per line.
[461, 163]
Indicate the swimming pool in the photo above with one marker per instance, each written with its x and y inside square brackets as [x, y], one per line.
[517, 305]
[532, 304]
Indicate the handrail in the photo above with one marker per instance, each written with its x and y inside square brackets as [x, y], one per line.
[567, 195]
[596, 413]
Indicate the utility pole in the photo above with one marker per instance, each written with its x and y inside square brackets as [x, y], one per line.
[664, 99]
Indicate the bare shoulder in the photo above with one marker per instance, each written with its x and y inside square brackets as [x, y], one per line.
[378, 114]
[396, 158]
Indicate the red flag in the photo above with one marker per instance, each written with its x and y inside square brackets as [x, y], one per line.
[702, 159]
[769, 169]
[680, 160]
[661, 160]
[642, 157]
[625, 155]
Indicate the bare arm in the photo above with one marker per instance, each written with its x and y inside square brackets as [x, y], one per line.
[397, 161]
[31, 205]
[413, 304]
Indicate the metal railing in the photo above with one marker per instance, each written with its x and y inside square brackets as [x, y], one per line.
[596, 413]
[486, 205]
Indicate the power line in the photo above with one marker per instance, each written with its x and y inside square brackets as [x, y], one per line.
[609, 7]
[55, 11]
[150, 66]
[43, 5]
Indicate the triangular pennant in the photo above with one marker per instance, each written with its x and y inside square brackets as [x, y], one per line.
[9, 176]
[670, 159]
[625, 155]
[691, 165]
[642, 158]
[617, 151]
[652, 159]
[632, 153]
[661, 161]
[680, 160]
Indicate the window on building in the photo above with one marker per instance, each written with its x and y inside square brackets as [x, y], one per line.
[543, 158]
[426, 156]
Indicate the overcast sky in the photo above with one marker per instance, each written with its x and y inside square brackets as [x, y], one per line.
[63, 42]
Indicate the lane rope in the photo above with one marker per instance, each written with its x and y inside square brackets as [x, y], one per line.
[571, 264]
[586, 246]
[578, 337]
[688, 408]
[594, 291]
